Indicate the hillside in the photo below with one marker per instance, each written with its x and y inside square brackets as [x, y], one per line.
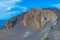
[34, 18]
[22, 27]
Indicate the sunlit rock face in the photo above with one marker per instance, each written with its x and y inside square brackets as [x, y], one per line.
[34, 18]
[37, 17]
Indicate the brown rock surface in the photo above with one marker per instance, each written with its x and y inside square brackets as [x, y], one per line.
[34, 18]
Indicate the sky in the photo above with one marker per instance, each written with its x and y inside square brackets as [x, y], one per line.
[11, 8]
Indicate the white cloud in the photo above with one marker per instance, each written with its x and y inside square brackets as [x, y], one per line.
[22, 7]
[56, 5]
[9, 2]
[7, 15]
[9, 8]
[6, 6]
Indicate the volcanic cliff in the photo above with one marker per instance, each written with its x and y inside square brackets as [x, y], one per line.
[34, 18]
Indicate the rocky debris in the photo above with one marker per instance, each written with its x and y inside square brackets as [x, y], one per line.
[34, 18]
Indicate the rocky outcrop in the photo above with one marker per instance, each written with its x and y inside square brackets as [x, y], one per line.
[14, 21]
[34, 18]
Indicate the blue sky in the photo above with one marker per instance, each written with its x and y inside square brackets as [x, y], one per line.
[10, 8]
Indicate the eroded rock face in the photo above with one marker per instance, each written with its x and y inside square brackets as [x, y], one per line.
[14, 21]
[34, 18]
[37, 17]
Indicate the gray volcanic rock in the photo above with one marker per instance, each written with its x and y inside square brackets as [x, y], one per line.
[14, 21]
[34, 18]
[50, 19]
